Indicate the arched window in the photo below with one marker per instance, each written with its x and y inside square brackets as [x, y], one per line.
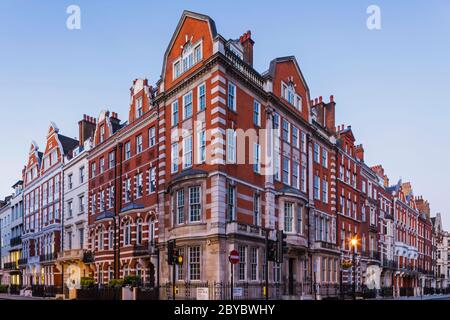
[101, 238]
[110, 273]
[151, 232]
[111, 238]
[126, 271]
[139, 271]
[139, 231]
[191, 55]
[127, 233]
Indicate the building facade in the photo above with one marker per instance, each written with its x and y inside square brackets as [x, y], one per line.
[15, 250]
[5, 237]
[73, 255]
[41, 240]
[219, 157]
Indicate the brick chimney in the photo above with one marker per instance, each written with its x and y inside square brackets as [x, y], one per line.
[247, 44]
[330, 115]
[86, 128]
[359, 152]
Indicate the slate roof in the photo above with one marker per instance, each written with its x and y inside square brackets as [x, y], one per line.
[105, 215]
[67, 143]
[132, 206]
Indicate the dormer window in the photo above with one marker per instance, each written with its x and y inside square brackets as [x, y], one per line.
[288, 93]
[191, 55]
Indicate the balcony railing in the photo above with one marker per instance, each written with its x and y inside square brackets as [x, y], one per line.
[15, 241]
[374, 255]
[325, 245]
[243, 67]
[47, 257]
[74, 254]
[237, 227]
[10, 266]
[23, 261]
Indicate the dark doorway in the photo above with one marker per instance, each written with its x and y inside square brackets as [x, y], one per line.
[291, 276]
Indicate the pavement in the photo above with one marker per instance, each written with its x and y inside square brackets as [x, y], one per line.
[419, 298]
[4, 296]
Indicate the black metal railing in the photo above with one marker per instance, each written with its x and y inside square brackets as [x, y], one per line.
[46, 291]
[47, 257]
[407, 292]
[22, 261]
[100, 293]
[15, 241]
[10, 266]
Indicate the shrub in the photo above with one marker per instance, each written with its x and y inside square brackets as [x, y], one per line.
[132, 281]
[87, 282]
[3, 289]
[115, 282]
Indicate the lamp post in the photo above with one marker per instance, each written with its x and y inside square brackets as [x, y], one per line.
[354, 244]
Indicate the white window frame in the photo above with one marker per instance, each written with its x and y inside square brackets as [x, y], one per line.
[231, 146]
[201, 146]
[200, 96]
[231, 98]
[175, 115]
[152, 137]
[186, 103]
[175, 157]
[187, 152]
[257, 113]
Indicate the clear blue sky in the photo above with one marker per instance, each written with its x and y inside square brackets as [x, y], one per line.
[391, 85]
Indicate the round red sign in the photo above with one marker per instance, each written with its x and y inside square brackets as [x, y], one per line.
[234, 257]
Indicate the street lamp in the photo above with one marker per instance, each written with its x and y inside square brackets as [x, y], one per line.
[354, 244]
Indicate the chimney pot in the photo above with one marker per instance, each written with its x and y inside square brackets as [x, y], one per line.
[331, 98]
[320, 99]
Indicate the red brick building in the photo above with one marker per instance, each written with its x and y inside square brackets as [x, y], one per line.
[123, 188]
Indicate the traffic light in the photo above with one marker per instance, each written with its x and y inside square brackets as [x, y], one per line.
[171, 252]
[271, 251]
[281, 246]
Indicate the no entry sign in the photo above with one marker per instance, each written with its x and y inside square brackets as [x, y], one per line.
[234, 257]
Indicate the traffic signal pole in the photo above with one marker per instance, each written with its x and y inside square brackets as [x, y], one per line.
[173, 282]
[266, 266]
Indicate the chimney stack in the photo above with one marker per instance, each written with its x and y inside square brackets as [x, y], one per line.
[359, 152]
[247, 44]
[86, 128]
